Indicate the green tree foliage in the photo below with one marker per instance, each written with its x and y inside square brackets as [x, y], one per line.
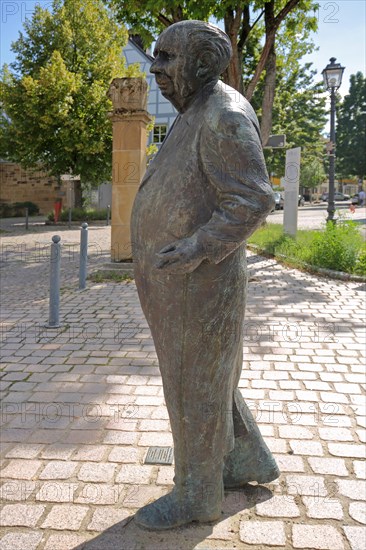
[241, 19]
[312, 173]
[54, 107]
[299, 112]
[351, 130]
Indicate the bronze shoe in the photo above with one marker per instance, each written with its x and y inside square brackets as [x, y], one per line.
[171, 511]
[250, 460]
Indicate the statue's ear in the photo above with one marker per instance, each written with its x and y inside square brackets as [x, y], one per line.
[203, 69]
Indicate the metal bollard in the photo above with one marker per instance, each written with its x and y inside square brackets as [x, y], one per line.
[54, 309]
[26, 218]
[83, 255]
[108, 213]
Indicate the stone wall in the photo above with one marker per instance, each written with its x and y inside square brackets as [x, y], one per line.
[19, 185]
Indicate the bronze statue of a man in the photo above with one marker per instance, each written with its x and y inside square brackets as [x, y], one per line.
[204, 193]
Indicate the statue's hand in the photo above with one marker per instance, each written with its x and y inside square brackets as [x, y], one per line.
[182, 256]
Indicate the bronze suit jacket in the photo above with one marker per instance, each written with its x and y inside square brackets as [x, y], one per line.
[209, 178]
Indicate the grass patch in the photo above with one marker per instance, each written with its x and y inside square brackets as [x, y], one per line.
[80, 215]
[108, 276]
[338, 247]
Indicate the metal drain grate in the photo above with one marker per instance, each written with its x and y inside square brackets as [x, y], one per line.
[159, 455]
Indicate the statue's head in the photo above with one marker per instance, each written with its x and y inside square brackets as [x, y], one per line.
[189, 55]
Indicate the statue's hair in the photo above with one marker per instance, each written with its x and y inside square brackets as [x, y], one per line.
[209, 43]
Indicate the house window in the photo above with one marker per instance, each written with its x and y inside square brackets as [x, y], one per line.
[159, 133]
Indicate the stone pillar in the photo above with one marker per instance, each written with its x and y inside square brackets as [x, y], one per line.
[129, 118]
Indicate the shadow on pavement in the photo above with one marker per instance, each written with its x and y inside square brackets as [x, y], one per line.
[127, 535]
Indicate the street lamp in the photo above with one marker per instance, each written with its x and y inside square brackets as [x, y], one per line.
[332, 75]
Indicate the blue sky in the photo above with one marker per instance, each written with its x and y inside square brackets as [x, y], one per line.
[341, 33]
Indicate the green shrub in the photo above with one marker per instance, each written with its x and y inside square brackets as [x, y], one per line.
[17, 209]
[337, 247]
[80, 215]
[360, 267]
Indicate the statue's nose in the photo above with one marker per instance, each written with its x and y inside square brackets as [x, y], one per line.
[155, 66]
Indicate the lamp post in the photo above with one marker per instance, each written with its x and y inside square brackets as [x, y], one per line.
[332, 75]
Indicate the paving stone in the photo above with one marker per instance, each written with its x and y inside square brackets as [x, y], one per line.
[357, 511]
[354, 489]
[156, 439]
[317, 537]
[120, 438]
[154, 425]
[56, 491]
[360, 469]
[295, 432]
[139, 495]
[21, 515]
[301, 447]
[90, 453]
[64, 541]
[266, 430]
[356, 537]
[328, 466]
[281, 395]
[132, 473]
[24, 451]
[165, 476]
[323, 508]
[306, 485]
[347, 388]
[58, 469]
[17, 490]
[124, 424]
[223, 530]
[336, 434]
[276, 445]
[100, 493]
[306, 395]
[21, 469]
[287, 463]
[21, 541]
[59, 451]
[278, 506]
[65, 516]
[97, 472]
[316, 385]
[333, 397]
[338, 449]
[271, 533]
[125, 454]
[103, 518]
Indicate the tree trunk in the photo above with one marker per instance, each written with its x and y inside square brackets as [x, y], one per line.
[78, 194]
[272, 24]
[233, 76]
[269, 95]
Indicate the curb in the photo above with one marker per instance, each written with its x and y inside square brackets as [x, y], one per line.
[340, 275]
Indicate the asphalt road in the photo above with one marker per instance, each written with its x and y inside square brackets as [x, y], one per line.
[309, 217]
[314, 216]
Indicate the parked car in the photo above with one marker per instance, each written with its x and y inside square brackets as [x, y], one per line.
[337, 196]
[279, 201]
[356, 199]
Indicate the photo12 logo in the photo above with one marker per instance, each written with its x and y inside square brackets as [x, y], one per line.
[21, 10]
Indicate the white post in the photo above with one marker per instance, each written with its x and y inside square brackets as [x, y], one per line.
[292, 182]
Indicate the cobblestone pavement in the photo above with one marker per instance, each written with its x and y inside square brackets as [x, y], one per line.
[82, 404]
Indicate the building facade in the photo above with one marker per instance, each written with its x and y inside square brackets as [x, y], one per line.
[19, 185]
